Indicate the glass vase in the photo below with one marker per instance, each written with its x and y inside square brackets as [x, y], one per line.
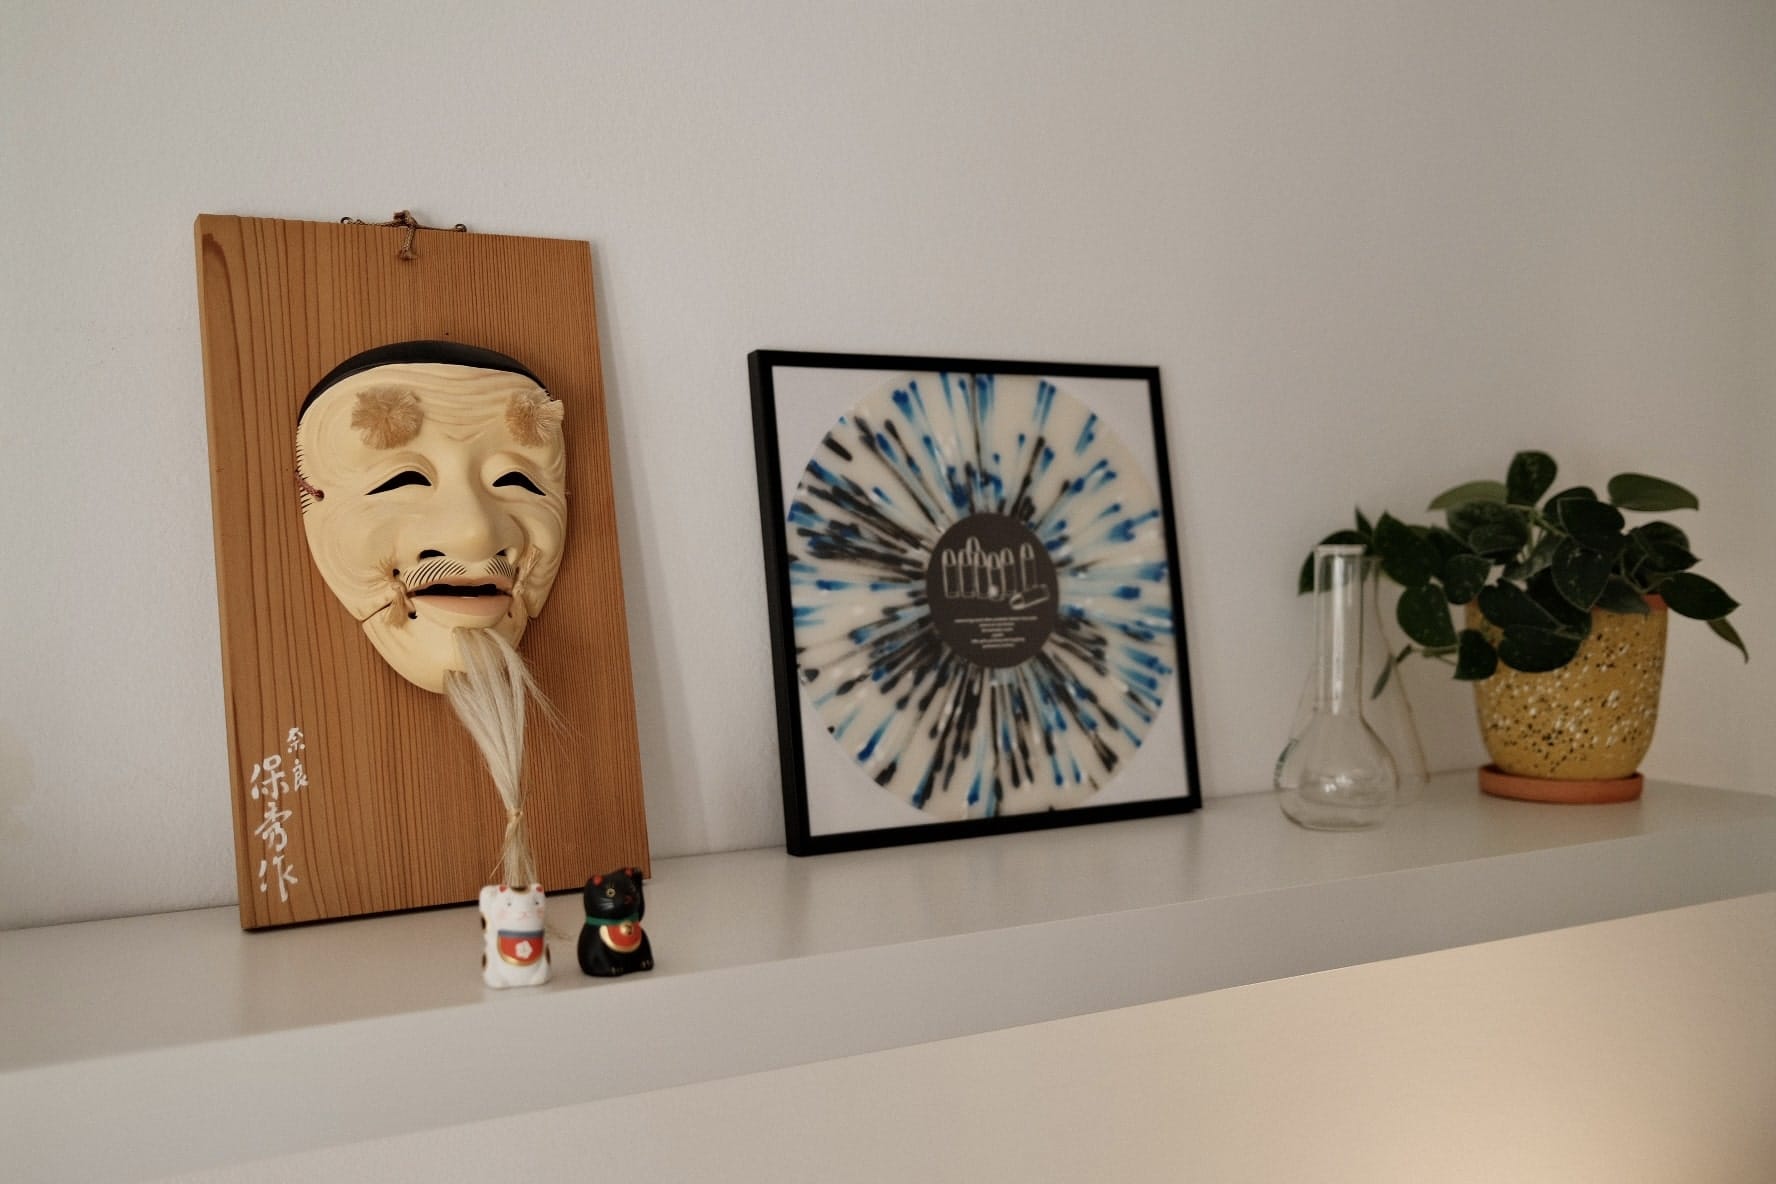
[1335, 773]
[1385, 706]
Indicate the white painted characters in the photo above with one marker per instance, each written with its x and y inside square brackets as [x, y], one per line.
[515, 949]
[268, 785]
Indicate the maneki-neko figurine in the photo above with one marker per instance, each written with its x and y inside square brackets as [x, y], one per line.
[515, 946]
[612, 943]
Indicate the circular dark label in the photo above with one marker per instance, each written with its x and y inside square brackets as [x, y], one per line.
[992, 590]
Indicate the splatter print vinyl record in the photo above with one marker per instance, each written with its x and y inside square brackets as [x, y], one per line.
[982, 605]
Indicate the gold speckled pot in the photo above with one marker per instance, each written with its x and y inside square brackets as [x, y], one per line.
[1591, 720]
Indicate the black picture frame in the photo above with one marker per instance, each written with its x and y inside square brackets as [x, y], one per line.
[769, 370]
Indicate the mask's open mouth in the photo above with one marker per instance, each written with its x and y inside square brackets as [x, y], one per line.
[460, 590]
[463, 604]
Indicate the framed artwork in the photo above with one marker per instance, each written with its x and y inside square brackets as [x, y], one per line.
[976, 617]
[410, 476]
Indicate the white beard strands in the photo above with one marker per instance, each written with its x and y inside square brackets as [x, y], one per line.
[488, 695]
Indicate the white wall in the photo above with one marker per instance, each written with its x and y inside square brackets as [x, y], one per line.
[1374, 247]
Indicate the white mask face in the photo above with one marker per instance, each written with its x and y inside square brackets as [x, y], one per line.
[435, 499]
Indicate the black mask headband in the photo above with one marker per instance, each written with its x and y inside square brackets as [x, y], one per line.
[446, 353]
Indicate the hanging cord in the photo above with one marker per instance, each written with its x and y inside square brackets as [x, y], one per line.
[405, 218]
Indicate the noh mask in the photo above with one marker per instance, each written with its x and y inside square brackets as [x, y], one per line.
[433, 483]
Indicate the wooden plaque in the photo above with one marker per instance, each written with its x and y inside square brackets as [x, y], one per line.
[353, 790]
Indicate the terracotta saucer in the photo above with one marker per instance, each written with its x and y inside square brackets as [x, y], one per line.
[1571, 793]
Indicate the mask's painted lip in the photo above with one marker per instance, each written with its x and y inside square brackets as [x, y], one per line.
[471, 611]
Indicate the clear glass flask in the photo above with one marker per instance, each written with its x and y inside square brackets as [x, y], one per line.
[1335, 773]
[1386, 708]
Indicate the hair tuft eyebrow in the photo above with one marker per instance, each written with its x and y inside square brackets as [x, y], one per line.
[387, 416]
[533, 417]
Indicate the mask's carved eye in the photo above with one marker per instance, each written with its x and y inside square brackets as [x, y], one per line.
[409, 477]
[518, 480]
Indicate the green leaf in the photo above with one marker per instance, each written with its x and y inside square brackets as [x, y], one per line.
[1506, 605]
[1363, 525]
[1696, 597]
[1424, 616]
[1574, 622]
[1619, 596]
[1472, 491]
[1536, 651]
[1445, 544]
[1637, 491]
[1408, 559]
[1597, 525]
[1538, 559]
[1664, 546]
[1531, 474]
[1490, 528]
[1500, 542]
[1477, 659]
[1584, 491]
[1723, 628]
[1464, 576]
[1304, 582]
[1579, 573]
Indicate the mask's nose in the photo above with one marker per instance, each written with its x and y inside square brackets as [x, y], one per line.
[468, 526]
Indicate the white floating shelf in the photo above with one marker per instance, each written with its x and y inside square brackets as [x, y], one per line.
[150, 1045]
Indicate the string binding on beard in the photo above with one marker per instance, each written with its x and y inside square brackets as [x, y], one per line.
[488, 695]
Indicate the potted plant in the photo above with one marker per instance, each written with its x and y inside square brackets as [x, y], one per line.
[1566, 606]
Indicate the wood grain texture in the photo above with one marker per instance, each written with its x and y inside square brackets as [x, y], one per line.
[400, 811]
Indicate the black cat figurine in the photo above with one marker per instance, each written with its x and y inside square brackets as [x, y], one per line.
[612, 942]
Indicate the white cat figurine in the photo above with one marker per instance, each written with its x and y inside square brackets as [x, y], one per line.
[515, 950]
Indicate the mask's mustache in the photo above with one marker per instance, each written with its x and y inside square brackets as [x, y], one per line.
[497, 569]
[430, 572]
